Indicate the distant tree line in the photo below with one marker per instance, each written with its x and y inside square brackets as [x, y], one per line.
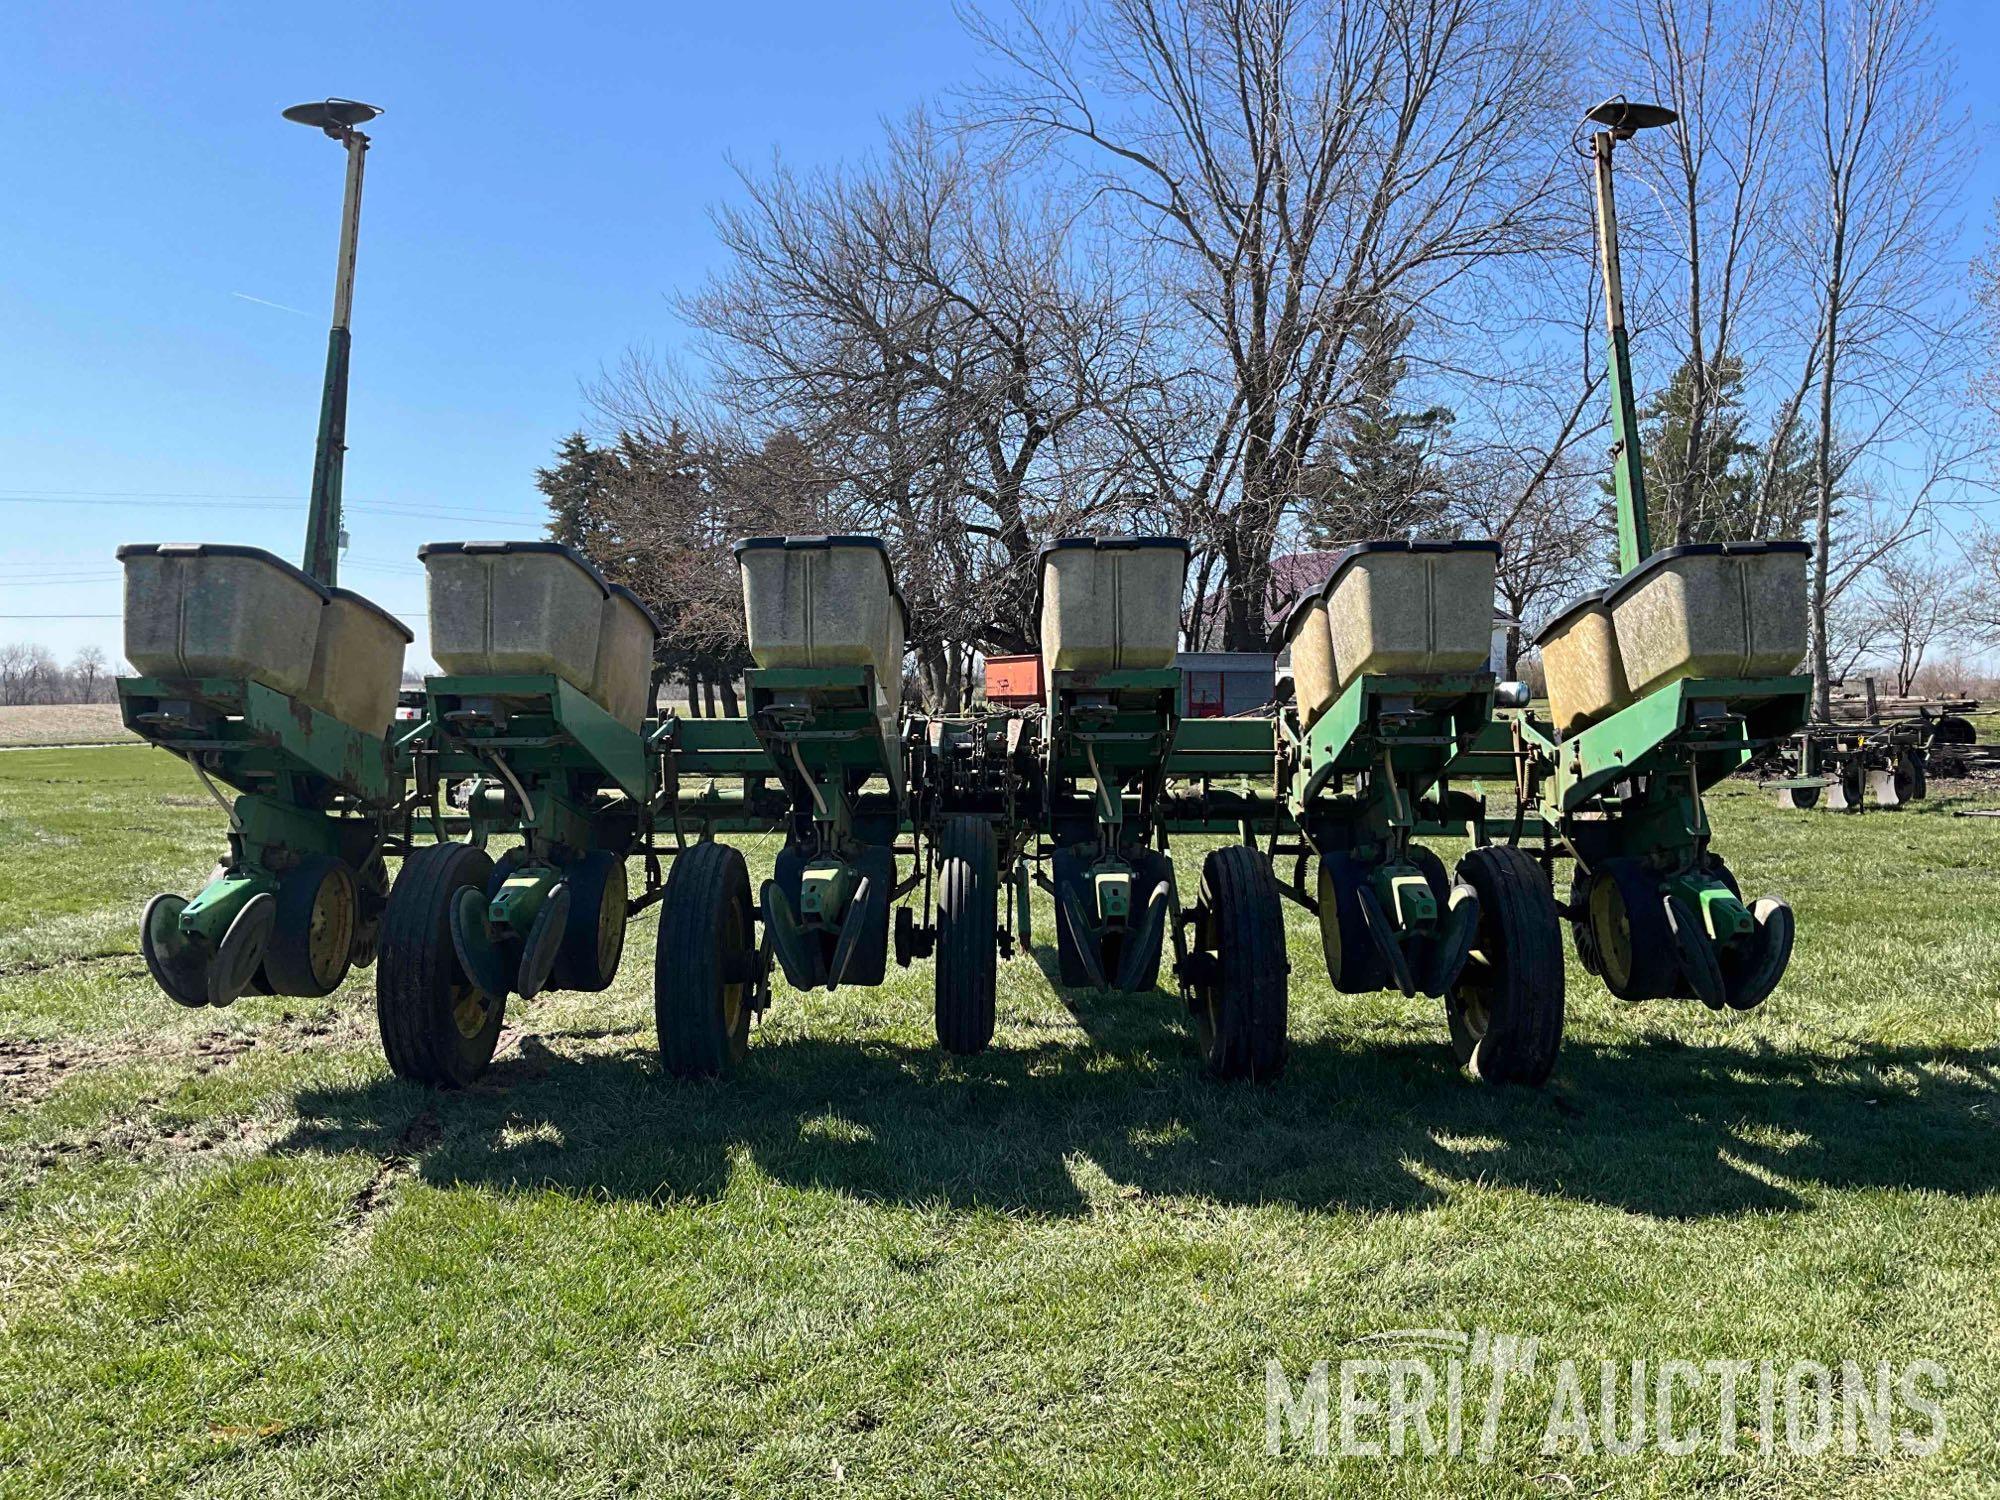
[31, 673]
[1283, 274]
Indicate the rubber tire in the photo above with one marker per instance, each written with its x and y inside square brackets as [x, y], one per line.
[1240, 1018]
[1065, 868]
[1519, 961]
[288, 965]
[705, 932]
[418, 982]
[584, 962]
[1655, 971]
[1581, 936]
[1355, 966]
[968, 916]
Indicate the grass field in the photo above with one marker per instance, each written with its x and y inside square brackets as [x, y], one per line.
[237, 1258]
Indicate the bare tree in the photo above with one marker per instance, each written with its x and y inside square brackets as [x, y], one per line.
[1882, 353]
[1721, 180]
[1982, 581]
[1914, 602]
[932, 330]
[1308, 168]
[15, 658]
[86, 669]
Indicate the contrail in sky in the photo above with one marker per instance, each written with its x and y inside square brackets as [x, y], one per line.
[261, 302]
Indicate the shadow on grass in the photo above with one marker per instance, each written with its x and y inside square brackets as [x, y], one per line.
[1656, 1127]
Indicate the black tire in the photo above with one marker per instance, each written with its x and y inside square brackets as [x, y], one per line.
[1953, 730]
[1581, 936]
[703, 964]
[1634, 946]
[1240, 1003]
[1353, 962]
[1066, 872]
[438, 1028]
[312, 943]
[1853, 782]
[968, 877]
[1506, 1011]
[593, 941]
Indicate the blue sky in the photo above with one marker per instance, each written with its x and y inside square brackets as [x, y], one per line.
[539, 184]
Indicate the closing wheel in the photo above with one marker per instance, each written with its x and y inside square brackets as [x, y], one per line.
[438, 1027]
[705, 964]
[1752, 966]
[1701, 967]
[1145, 937]
[312, 939]
[1131, 957]
[1440, 958]
[1238, 994]
[594, 937]
[239, 955]
[1909, 776]
[1633, 944]
[178, 967]
[1353, 961]
[1066, 875]
[544, 939]
[968, 915]
[1506, 1009]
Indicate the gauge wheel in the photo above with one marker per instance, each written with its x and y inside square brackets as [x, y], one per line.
[1505, 1010]
[438, 1027]
[312, 939]
[705, 964]
[1239, 1000]
[594, 937]
[968, 917]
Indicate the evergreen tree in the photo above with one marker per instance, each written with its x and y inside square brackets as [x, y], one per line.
[1702, 490]
[1375, 476]
[575, 486]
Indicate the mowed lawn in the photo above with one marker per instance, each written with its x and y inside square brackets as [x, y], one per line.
[236, 1257]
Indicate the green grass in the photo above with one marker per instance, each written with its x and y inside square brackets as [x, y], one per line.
[236, 1257]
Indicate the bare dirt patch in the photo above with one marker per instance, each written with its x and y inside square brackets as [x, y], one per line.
[63, 724]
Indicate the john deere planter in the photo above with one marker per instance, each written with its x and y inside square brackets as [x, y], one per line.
[539, 728]
[281, 690]
[1389, 662]
[1659, 687]
[541, 732]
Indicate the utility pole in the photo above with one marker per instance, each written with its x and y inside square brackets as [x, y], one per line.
[337, 119]
[1622, 120]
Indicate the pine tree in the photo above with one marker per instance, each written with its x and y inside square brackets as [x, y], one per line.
[1704, 491]
[1375, 476]
[575, 487]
